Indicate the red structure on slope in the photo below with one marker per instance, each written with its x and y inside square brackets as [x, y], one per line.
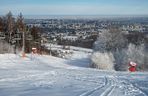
[132, 66]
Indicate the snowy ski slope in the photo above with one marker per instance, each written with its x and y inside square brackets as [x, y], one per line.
[51, 76]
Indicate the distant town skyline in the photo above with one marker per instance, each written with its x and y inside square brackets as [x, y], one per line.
[74, 7]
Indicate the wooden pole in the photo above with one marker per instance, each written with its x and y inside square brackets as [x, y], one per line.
[23, 47]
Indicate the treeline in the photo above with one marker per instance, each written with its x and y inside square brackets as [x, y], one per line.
[85, 43]
[12, 30]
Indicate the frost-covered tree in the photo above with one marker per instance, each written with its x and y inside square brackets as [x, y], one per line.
[136, 54]
[121, 60]
[110, 42]
[104, 61]
[5, 47]
[145, 65]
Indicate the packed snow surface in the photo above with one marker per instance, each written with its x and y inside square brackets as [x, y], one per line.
[42, 75]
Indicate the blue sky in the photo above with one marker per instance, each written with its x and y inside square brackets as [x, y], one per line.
[75, 7]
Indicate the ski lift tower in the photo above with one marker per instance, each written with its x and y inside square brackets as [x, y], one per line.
[29, 38]
[16, 38]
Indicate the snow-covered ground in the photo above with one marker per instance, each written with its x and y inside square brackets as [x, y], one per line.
[42, 75]
[80, 56]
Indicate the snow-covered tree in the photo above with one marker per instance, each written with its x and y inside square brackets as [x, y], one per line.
[145, 64]
[5, 47]
[103, 61]
[121, 60]
[110, 42]
[136, 54]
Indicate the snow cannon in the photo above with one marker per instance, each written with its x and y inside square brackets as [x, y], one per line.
[34, 50]
[132, 66]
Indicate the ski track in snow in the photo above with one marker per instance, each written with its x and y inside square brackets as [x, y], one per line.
[112, 83]
[109, 86]
[88, 93]
[131, 88]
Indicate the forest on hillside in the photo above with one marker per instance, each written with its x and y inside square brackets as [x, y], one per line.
[13, 31]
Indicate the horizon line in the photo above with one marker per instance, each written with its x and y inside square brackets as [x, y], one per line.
[52, 16]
